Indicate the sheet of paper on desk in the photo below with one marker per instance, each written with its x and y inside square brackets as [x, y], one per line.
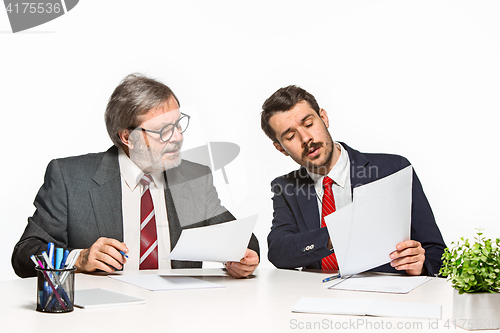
[155, 282]
[381, 283]
[221, 242]
[367, 230]
[197, 272]
[368, 307]
[100, 297]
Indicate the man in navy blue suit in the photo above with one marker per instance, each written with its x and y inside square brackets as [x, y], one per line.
[292, 119]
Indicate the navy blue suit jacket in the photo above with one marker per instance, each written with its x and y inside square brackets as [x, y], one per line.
[296, 220]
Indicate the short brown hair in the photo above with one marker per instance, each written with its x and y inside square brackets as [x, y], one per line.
[284, 99]
[133, 97]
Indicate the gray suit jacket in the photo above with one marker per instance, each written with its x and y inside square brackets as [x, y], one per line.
[81, 201]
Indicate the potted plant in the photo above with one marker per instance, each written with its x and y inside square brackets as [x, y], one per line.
[474, 272]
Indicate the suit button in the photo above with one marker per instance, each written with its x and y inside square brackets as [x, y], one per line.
[311, 246]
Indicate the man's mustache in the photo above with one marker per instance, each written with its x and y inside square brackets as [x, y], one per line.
[176, 146]
[310, 146]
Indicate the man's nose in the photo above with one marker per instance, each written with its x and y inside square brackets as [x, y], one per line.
[176, 136]
[305, 136]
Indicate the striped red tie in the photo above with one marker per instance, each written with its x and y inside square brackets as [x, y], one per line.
[149, 241]
[329, 262]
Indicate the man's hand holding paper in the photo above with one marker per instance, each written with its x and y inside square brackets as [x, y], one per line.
[225, 242]
[245, 266]
[409, 256]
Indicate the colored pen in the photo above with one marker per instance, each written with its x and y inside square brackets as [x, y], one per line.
[70, 265]
[38, 259]
[51, 301]
[73, 260]
[51, 254]
[47, 260]
[44, 294]
[124, 254]
[32, 257]
[59, 256]
[64, 258]
[41, 293]
[331, 278]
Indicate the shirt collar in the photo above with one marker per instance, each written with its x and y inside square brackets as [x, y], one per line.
[338, 173]
[132, 174]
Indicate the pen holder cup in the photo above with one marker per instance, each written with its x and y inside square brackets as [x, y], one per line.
[55, 291]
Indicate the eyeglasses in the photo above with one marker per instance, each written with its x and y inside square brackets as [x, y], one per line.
[167, 132]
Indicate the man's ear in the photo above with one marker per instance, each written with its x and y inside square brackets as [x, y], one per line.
[324, 117]
[278, 146]
[126, 138]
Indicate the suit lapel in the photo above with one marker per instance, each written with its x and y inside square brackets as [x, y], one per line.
[106, 197]
[307, 200]
[358, 164]
[177, 190]
[181, 194]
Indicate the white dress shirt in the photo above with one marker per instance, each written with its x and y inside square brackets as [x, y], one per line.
[132, 189]
[341, 187]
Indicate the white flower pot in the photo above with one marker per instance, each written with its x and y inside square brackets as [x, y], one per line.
[476, 311]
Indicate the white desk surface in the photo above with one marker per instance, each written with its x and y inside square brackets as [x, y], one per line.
[262, 303]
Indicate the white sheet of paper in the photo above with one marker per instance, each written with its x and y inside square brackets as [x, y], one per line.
[353, 307]
[367, 307]
[100, 298]
[155, 282]
[380, 283]
[404, 309]
[196, 272]
[367, 230]
[221, 242]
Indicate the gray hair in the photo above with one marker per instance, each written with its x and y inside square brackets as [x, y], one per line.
[134, 96]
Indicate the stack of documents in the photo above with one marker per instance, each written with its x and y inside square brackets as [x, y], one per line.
[367, 307]
[379, 282]
[156, 282]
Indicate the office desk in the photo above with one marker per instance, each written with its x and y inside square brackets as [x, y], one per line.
[261, 303]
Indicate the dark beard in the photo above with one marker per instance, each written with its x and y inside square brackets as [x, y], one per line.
[320, 169]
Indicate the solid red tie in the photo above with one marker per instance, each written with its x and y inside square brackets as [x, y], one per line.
[149, 241]
[328, 207]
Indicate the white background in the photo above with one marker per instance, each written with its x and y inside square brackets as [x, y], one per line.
[415, 78]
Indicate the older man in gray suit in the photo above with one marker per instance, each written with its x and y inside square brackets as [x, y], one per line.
[95, 203]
